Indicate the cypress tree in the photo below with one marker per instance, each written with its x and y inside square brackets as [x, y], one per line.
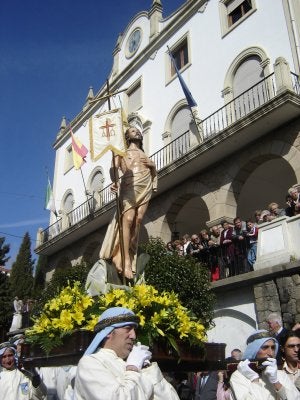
[6, 309]
[5, 295]
[21, 278]
[39, 277]
[4, 249]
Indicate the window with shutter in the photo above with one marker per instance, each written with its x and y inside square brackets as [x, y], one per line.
[248, 74]
[233, 12]
[134, 98]
[97, 181]
[180, 126]
[180, 123]
[68, 203]
[68, 158]
[236, 9]
[181, 57]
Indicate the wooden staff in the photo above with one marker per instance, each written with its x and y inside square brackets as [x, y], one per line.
[118, 203]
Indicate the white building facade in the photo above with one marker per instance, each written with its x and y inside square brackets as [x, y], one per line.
[238, 152]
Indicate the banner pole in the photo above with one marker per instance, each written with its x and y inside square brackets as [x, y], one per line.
[118, 204]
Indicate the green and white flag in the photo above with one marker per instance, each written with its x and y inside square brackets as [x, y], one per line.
[50, 203]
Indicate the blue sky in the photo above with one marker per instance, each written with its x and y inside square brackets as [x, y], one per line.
[51, 52]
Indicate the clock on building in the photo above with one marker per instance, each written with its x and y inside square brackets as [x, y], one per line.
[133, 42]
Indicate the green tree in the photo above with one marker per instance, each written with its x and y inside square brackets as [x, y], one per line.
[5, 294]
[61, 278]
[4, 249]
[5, 305]
[21, 278]
[184, 276]
[39, 276]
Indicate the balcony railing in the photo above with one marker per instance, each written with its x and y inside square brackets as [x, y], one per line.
[295, 83]
[213, 125]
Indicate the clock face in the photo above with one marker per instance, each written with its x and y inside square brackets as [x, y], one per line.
[134, 41]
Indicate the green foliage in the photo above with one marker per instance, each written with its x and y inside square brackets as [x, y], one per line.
[21, 278]
[4, 249]
[6, 307]
[183, 275]
[46, 343]
[39, 277]
[61, 278]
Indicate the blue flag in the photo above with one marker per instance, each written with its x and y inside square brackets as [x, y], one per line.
[187, 93]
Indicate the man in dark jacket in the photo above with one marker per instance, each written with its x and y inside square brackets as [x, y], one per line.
[206, 386]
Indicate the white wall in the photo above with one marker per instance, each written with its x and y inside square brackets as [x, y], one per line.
[211, 56]
[235, 319]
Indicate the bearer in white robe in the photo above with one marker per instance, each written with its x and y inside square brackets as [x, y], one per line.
[116, 368]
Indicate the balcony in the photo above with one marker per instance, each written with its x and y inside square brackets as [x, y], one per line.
[267, 105]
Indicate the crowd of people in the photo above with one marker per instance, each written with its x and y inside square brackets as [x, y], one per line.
[230, 249]
[117, 366]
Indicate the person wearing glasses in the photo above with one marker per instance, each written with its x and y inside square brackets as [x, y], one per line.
[290, 349]
[267, 384]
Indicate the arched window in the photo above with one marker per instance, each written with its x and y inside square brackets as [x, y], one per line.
[97, 181]
[96, 185]
[180, 130]
[247, 75]
[249, 89]
[181, 122]
[68, 203]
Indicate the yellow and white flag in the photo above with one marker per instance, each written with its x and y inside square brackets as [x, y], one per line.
[106, 133]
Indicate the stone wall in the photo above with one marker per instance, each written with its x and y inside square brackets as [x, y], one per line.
[281, 294]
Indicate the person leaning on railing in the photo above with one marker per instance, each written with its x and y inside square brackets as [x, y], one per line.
[275, 211]
[293, 202]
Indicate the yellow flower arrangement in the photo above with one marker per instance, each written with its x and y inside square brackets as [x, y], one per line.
[162, 316]
[70, 310]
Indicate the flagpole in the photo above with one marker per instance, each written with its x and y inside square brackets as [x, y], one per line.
[84, 185]
[118, 203]
[189, 98]
[196, 123]
[86, 192]
[48, 178]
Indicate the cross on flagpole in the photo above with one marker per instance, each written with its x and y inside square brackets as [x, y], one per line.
[108, 95]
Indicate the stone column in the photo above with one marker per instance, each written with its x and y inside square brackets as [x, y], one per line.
[283, 79]
[155, 15]
[116, 55]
